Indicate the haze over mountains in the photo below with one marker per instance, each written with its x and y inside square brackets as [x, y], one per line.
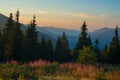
[104, 35]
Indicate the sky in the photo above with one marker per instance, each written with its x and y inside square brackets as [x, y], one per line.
[69, 14]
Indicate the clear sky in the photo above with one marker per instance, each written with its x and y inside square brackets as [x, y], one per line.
[66, 13]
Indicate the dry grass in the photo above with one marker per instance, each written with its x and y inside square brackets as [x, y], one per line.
[44, 70]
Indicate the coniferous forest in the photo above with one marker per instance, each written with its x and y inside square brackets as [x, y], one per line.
[25, 46]
[24, 51]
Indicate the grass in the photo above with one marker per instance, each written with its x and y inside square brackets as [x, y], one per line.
[42, 70]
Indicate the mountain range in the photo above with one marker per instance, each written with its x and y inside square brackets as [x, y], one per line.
[104, 35]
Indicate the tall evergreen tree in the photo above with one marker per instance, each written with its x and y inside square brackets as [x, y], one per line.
[59, 50]
[31, 42]
[96, 49]
[8, 39]
[43, 49]
[87, 55]
[65, 47]
[62, 50]
[104, 54]
[50, 50]
[12, 38]
[18, 37]
[114, 51]
[83, 40]
[89, 42]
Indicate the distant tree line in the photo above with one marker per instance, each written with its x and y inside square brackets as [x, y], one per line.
[25, 46]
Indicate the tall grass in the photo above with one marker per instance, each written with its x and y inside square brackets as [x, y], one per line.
[43, 70]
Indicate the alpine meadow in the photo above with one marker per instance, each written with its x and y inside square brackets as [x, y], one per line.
[59, 40]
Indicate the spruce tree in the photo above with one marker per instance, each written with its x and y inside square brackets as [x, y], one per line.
[83, 40]
[114, 51]
[104, 54]
[31, 42]
[12, 38]
[89, 42]
[50, 50]
[18, 37]
[43, 49]
[59, 51]
[87, 55]
[96, 49]
[65, 47]
[8, 39]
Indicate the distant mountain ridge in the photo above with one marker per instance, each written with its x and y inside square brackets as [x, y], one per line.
[104, 35]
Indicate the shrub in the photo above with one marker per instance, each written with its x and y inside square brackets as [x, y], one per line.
[87, 56]
[50, 69]
[100, 76]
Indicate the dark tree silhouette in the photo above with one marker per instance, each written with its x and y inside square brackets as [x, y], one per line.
[114, 51]
[18, 37]
[31, 42]
[43, 49]
[50, 50]
[96, 49]
[83, 40]
[8, 39]
[59, 50]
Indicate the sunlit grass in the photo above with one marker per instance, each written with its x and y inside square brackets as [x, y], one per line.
[44, 70]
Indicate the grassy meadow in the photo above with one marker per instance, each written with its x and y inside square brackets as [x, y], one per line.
[42, 70]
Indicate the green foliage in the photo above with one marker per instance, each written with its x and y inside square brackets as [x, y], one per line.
[58, 50]
[96, 49]
[12, 39]
[29, 73]
[43, 49]
[104, 54]
[114, 51]
[18, 72]
[31, 42]
[87, 56]
[65, 48]
[8, 38]
[50, 69]
[100, 76]
[83, 40]
[50, 50]
[62, 51]
[18, 38]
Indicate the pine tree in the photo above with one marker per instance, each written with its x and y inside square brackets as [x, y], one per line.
[83, 40]
[62, 51]
[89, 42]
[50, 50]
[12, 38]
[59, 51]
[8, 39]
[96, 49]
[31, 42]
[114, 51]
[65, 47]
[87, 55]
[43, 49]
[18, 37]
[104, 54]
